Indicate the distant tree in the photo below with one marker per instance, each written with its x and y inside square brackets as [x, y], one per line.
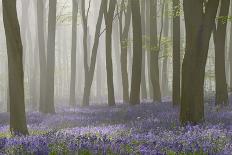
[165, 80]
[42, 54]
[137, 53]
[50, 107]
[91, 68]
[109, 17]
[124, 32]
[143, 74]
[72, 98]
[199, 21]
[176, 53]
[220, 53]
[15, 67]
[230, 51]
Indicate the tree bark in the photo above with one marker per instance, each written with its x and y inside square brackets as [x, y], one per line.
[199, 26]
[109, 17]
[124, 33]
[154, 52]
[15, 68]
[176, 53]
[50, 108]
[220, 52]
[137, 53]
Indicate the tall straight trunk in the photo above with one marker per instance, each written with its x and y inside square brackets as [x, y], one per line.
[109, 17]
[220, 52]
[165, 81]
[15, 68]
[176, 53]
[137, 53]
[199, 26]
[154, 52]
[230, 51]
[124, 33]
[72, 97]
[150, 88]
[143, 75]
[50, 108]
[91, 68]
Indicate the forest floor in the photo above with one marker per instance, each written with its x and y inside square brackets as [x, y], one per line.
[143, 129]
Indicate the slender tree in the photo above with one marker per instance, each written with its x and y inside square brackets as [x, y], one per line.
[137, 53]
[42, 54]
[154, 52]
[72, 98]
[176, 53]
[124, 32]
[50, 108]
[199, 20]
[109, 17]
[91, 68]
[15, 67]
[220, 53]
[230, 51]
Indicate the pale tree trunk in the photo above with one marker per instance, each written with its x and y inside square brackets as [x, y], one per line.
[72, 97]
[230, 50]
[15, 68]
[137, 53]
[199, 26]
[165, 81]
[143, 75]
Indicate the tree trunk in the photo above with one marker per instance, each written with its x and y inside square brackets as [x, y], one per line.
[150, 88]
[50, 108]
[109, 17]
[15, 68]
[220, 52]
[230, 51]
[137, 53]
[72, 98]
[143, 75]
[176, 53]
[154, 52]
[165, 81]
[124, 33]
[199, 26]
[91, 69]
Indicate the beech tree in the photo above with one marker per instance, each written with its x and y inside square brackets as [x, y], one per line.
[15, 68]
[137, 53]
[199, 21]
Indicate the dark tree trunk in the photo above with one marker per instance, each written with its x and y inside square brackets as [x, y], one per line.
[176, 54]
[124, 32]
[199, 26]
[109, 17]
[220, 52]
[72, 98]
[137, 53]
[15, 68]
[154, 52]
[50, 107]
